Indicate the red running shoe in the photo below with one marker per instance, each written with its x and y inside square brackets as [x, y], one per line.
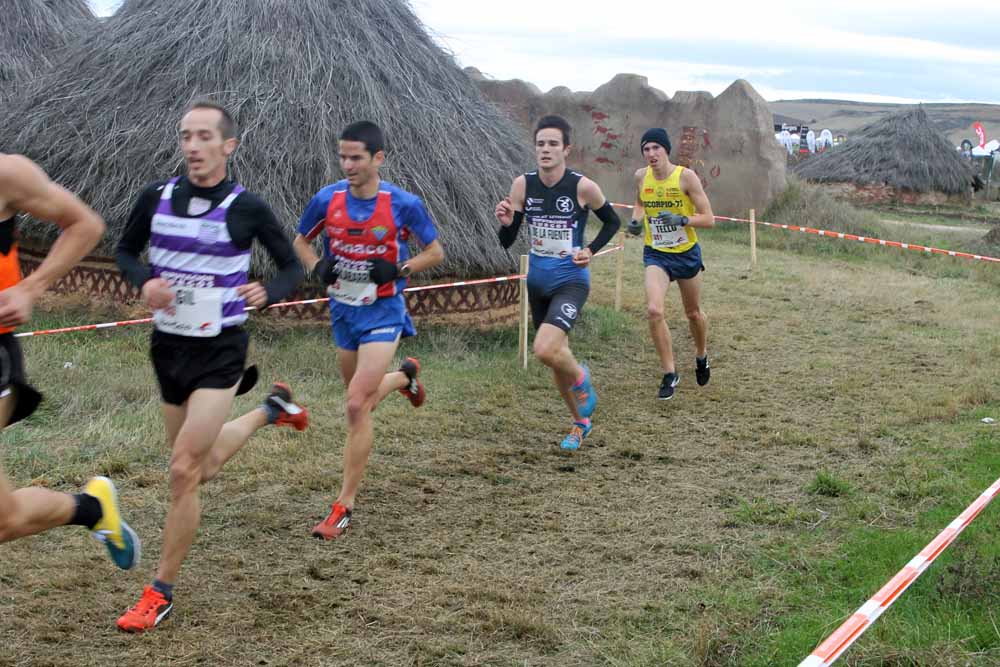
[147, 613]
[415, 389]
[333, 525]
[290, 413]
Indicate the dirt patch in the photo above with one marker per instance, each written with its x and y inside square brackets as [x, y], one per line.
[477, 541]
[949, 229]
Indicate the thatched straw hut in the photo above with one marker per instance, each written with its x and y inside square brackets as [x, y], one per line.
[294, 72]
[32, 35]
[900, 157]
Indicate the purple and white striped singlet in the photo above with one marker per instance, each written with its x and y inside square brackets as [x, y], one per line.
[197, 252]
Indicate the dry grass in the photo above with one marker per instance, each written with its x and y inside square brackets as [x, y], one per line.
[477, 541]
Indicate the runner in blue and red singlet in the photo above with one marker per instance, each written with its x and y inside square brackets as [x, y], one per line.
[365, 223]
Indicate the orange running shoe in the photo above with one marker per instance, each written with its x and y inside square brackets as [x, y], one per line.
[333, 525]
[415, 389]
[147, 613]
[290, 413]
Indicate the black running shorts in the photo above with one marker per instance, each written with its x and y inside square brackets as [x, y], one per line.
[12, 379]
[11, 361]
[184, 363]
[561, 307]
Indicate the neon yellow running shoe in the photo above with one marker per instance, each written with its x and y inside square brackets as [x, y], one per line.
[123, 544]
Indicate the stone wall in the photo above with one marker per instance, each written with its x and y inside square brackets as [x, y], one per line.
[727, 140]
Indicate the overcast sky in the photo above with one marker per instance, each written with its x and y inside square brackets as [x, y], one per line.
[869, 50]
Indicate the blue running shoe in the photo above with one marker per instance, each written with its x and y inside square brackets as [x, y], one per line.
[122, 542]
[586, 397]
[577, 434]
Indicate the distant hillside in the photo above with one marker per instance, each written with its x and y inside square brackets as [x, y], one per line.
[954, 120]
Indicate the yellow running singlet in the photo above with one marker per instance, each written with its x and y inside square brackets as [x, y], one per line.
[666, 196]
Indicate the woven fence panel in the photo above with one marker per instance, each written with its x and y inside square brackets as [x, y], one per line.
[100, 278]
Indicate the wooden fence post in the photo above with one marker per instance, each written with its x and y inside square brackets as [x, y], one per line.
[522, 324]
[619, 272]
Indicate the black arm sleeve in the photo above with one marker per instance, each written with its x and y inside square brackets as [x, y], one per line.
[610, 227]
[508, 234]
[259, 220]
[136, 236]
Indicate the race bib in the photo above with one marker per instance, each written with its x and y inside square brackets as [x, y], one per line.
[353, 287]
[666, 236]
[196, 312]
[551, 240]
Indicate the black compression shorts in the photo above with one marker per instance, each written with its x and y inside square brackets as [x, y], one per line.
[13, 380]
[561, 307]
[184, 364]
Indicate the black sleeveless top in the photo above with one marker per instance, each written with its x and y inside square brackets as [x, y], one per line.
[556, 223]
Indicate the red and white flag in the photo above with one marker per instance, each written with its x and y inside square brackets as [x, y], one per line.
[980, 132]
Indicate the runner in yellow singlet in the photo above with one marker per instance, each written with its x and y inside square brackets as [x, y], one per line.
[670, 205]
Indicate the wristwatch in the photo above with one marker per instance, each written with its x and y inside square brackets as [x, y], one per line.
[405, 271]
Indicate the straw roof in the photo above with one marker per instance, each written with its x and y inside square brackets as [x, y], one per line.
[72, 9]
[903, 150]
[32, 34]
[294, 72]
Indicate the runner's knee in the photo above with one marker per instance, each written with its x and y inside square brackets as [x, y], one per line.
[359, 404]
[654, 311]
[694, 315]
[546, 351]
[185, 472]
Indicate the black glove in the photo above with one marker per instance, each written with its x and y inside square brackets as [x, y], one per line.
[668, 218]
[327, 270]
[634, 227]
[382, 271]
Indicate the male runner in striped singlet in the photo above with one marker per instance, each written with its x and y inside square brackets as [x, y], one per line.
[670, 204]
[364, 223]
[200, 228]
[24, 187]
[556, 201]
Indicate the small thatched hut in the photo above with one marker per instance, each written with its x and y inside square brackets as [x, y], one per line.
[901, 157]
[32, 35]
[294, 72]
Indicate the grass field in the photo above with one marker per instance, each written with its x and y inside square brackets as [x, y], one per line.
[735, 525]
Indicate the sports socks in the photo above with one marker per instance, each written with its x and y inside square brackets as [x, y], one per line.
[164, 589]
[272, 411]
[88, 511]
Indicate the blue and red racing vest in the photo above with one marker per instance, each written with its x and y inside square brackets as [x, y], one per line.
[356, 242]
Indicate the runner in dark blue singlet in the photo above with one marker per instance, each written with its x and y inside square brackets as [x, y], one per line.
[555, 202]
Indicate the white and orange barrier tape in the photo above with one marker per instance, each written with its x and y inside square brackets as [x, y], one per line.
[85, 327]
[868, 239]
[285, 304]
[827, 652]
[855, 237]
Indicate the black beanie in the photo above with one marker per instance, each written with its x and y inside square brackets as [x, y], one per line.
[656, 135]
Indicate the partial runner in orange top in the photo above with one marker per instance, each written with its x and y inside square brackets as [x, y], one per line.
[25, 188]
